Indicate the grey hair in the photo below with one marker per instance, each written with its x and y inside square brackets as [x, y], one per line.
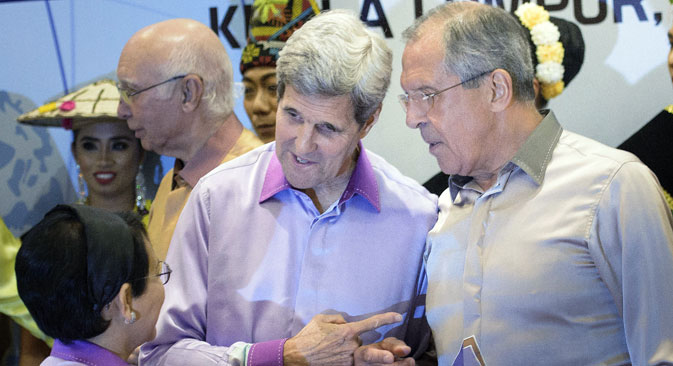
[212, 64]
[480, 38]
[335, 54]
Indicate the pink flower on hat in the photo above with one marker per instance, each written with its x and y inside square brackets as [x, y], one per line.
[67, 106]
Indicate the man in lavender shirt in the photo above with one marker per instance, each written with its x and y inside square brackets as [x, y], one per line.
[305, 248]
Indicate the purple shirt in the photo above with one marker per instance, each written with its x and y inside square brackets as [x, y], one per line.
[81, 353]
[254, 260]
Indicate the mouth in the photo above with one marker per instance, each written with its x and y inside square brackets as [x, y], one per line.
[300, 160]
[104, 178]
[432, 146]
[430, 142]
[266, 128]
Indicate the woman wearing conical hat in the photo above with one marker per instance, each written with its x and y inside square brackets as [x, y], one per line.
[106, 151]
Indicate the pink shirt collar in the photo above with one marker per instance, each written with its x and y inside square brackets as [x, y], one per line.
[362, 181]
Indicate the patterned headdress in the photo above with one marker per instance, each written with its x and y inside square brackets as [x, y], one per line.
[96, 102]
[272, 22]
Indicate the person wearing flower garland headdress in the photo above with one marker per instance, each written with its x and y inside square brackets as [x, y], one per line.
[271, 24]
[652, 143]
[550, 248]
[557, 51]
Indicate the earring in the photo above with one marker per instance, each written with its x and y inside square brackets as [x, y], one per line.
[81, 187]
[132, 320]
[141, 203]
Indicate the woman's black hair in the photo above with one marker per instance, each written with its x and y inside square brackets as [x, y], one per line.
[66, 278]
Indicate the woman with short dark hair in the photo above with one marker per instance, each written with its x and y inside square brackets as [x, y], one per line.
[90, 279]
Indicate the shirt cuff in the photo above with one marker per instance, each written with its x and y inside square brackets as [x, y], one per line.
[268, 353]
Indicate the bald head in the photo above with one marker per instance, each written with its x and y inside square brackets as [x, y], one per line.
[182, 79]
[182, 46]
[162, 37]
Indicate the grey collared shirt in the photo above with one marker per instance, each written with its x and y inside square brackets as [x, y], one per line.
[565, 260]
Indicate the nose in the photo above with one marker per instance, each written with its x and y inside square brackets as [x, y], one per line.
[123, 110]
[105, 157]
[304, 142]
[261, 104]
[414, 118]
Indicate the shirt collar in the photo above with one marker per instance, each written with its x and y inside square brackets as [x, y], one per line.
[362, 181]
[87, 353]
[535, 153]
[208, 157]
[532, 157]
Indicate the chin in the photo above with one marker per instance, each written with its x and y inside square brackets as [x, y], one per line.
[299, 183]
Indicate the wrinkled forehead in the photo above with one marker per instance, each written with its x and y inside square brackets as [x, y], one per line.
[141, 61]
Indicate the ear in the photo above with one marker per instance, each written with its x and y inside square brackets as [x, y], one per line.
[371, 121]
[502, 94]
[536, 86]
[540, 102]
[192, 91]
[124, 303]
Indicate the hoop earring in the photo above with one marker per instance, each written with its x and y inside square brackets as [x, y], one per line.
[81, 187]
[141, 203]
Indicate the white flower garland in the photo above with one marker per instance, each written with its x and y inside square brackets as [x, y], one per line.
[549, 51]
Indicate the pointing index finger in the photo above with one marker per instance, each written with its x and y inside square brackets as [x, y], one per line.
[374, 322]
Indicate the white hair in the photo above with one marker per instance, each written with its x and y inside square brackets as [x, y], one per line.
[212, 64]
[335, 54]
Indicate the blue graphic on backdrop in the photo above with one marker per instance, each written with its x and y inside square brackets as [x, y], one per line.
[33, 177]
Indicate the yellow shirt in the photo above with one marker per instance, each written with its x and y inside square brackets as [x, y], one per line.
[175, 188]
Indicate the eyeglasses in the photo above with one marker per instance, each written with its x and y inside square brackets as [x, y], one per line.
[164, 275]
[127, 93]
[427, 100]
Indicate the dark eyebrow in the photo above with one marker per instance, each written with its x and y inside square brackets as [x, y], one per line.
[268, 76]
[264, 78]
[126, 138]
[116, 138]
